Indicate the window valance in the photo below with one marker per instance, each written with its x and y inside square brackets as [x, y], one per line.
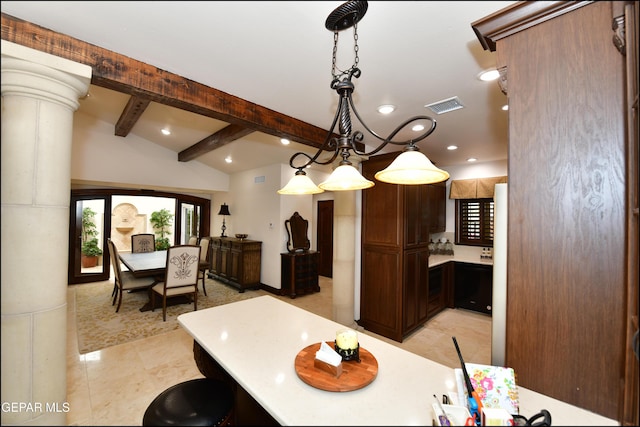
[477, 188]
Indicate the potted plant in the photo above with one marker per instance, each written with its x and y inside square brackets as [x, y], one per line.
[90, 248]
[161, 221]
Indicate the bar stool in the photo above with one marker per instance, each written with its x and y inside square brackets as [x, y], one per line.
[198, 402]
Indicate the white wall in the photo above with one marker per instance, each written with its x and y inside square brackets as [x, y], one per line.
[98, 156]
[258, 210]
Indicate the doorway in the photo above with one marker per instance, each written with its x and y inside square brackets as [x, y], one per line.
[324, 237]
[87, 237]
[114, 214]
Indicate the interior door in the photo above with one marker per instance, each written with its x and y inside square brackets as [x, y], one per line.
[81, 268]
[324, 238]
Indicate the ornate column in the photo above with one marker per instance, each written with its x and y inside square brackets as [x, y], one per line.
[39, 96]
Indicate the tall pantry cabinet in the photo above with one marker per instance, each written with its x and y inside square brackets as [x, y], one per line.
[572, 254]
[394, 294]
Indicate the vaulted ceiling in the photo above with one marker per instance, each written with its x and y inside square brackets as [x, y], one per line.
[232, 78]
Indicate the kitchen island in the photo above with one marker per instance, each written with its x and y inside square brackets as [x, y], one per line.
[257, 340]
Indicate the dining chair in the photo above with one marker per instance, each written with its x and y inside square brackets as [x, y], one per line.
[181, 276]
[144, 242]
[124, 280]
[193, 240]
[204, 261]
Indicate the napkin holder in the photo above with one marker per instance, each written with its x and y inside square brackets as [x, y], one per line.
[336, 371]
[328, 360]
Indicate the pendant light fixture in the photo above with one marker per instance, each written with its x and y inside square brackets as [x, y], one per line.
[409, 168]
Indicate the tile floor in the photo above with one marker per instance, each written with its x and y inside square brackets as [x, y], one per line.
[115, 385]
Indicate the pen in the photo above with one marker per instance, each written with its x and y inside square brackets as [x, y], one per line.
[444, 420]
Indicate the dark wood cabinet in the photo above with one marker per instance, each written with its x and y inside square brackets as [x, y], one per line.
[440, 288]
[416, 289]
[236, 261]
[299, 273]
[395, 254]
[437, 196]
[473, 287]
[572, 251]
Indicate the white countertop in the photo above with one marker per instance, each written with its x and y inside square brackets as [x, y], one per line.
[257, 340]
[435, 260]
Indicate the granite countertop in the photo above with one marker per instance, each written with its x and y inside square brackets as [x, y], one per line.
[435, 260]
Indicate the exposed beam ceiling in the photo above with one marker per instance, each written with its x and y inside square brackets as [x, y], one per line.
[146, 83]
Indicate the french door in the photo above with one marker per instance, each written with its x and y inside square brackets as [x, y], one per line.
[189, 220]
[192, 217]
[83, 269]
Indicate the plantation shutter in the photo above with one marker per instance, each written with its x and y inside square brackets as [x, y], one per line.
[475, 222]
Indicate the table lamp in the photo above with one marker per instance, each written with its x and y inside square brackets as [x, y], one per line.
[224, 211]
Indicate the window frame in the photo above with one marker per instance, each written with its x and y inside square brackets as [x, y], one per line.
[485, 222]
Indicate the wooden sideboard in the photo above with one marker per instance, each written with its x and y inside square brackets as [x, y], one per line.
[236, 262]
[299, 273]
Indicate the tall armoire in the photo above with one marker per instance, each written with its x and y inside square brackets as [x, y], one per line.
[570, 72]
[394, 291]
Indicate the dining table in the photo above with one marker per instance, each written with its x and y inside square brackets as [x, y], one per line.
[268, 348]
[145, 264]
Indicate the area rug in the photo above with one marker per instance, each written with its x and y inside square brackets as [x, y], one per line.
[99, 326]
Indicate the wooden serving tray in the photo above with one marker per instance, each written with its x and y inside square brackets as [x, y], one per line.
[354, 375]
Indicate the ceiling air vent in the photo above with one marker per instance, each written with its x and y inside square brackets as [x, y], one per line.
[445, 105]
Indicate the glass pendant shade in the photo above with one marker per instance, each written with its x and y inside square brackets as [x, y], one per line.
[412, 168]
[300, 184]
[344, 178]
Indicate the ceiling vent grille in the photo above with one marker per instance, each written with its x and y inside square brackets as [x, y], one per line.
[446, 105]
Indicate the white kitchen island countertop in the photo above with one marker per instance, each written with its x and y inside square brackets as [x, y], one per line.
[257, 340]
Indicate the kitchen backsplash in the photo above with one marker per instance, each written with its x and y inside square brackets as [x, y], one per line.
[464, 251]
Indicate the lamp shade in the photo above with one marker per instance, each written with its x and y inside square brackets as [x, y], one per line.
[412, 167]
[224, 210]
[344, 178]
[300, 184]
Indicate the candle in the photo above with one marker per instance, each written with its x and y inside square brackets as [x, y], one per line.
[347, 339]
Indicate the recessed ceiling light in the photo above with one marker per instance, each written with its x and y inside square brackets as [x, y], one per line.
[417, 128]
[166, 132]
[505, 107]
[284, 141]
[228, 159]
[452, 147]
[471, 159]
[489, 75]
[386, 109]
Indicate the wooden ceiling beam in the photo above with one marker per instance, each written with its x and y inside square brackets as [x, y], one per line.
[123, 74]
[130, 115]
[222, 137]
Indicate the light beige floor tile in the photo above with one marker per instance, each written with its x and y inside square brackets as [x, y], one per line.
[114, 362]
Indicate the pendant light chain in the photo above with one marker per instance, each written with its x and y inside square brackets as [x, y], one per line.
[356, 48]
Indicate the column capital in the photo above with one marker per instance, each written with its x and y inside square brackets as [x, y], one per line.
[28, 72]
